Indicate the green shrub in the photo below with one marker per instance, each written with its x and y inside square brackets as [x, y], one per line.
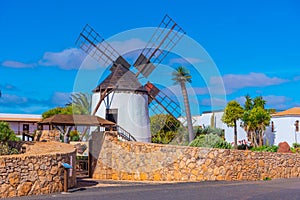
[7, 150]
[267, 179]
[296, 145]
[74, 135]
[163, 137]
[210, 141]
[208, 130]
[163, 128]
[222, 144]
[6, 133]
[272, 148]
[243, 147]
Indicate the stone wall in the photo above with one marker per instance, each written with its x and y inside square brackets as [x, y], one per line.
[35, 173]
[113, 159]
[47, 135]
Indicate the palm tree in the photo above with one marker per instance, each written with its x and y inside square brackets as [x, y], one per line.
[181, 76]
[81, 103]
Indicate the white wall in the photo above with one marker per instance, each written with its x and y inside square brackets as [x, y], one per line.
[284, 131]
[205, 119]
[133, 113]
[17, 127]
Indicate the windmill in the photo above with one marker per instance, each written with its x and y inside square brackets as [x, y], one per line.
[121, 97]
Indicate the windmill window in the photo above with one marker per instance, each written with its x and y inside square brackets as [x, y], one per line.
[297, 126]
[112, 115]
[272, 126]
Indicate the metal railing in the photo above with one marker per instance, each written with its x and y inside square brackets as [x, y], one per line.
[123, 133]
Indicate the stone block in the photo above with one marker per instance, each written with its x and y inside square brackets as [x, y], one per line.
[24, 188]
[14, 179]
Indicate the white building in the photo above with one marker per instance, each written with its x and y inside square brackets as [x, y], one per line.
[126, 104]
[21, 123]
[213, 119]
[282, 126]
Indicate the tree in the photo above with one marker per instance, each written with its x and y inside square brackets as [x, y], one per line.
[163, 128]
[58, 110]
[81, 103]
[181, 76]
[6, 133]
[255, 120]
[233, 112]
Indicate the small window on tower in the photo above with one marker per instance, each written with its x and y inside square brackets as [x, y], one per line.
[297, 126]
[112, 115]
[272, 126]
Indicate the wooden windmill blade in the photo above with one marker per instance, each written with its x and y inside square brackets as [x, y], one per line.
[163, 40]
[95, 46]
[160, 98]
[164, 103]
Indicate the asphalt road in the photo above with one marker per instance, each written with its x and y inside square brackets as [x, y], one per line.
[259, 190]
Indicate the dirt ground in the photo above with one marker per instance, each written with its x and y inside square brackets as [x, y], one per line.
[48, 147]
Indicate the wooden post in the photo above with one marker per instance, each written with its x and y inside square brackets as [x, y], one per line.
[66, 180]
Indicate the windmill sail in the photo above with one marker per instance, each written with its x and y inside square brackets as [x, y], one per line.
[95, 46]
[159, 103]
[163, 40]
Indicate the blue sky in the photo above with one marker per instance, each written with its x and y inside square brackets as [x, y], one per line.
[254, 44]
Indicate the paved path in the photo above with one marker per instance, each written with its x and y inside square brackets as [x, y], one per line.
[241, 190]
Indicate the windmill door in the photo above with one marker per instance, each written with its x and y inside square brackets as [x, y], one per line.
[112, 115]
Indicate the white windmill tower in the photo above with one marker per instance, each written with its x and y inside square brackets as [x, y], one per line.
[121, 97]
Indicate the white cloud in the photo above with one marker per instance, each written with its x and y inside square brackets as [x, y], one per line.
[199, 90]
[72, 58]
[296, 78]
[184, 61]
[66, 59]
[16, 64]
[13, 103]
[278, 102]
[13, 100]
[175, 90]
[272, 101]
[123, 47]
[213, 102]
[60, 98]
[234, 82]
[8, 87]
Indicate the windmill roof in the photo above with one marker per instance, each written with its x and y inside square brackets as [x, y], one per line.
[290, 112]
[121, 78]
[71, 120]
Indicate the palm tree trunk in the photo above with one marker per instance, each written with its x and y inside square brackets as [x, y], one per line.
[235, 135]
[188, 111]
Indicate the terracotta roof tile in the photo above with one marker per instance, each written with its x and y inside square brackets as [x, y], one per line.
[290, 112]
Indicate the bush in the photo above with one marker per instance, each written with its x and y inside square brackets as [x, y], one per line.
[7, 150]
[163, 128]
[163, 137]
[296, 145]
[264, 148]
[209, 130]
[6, 133]
[74, 135]
[210, 141]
